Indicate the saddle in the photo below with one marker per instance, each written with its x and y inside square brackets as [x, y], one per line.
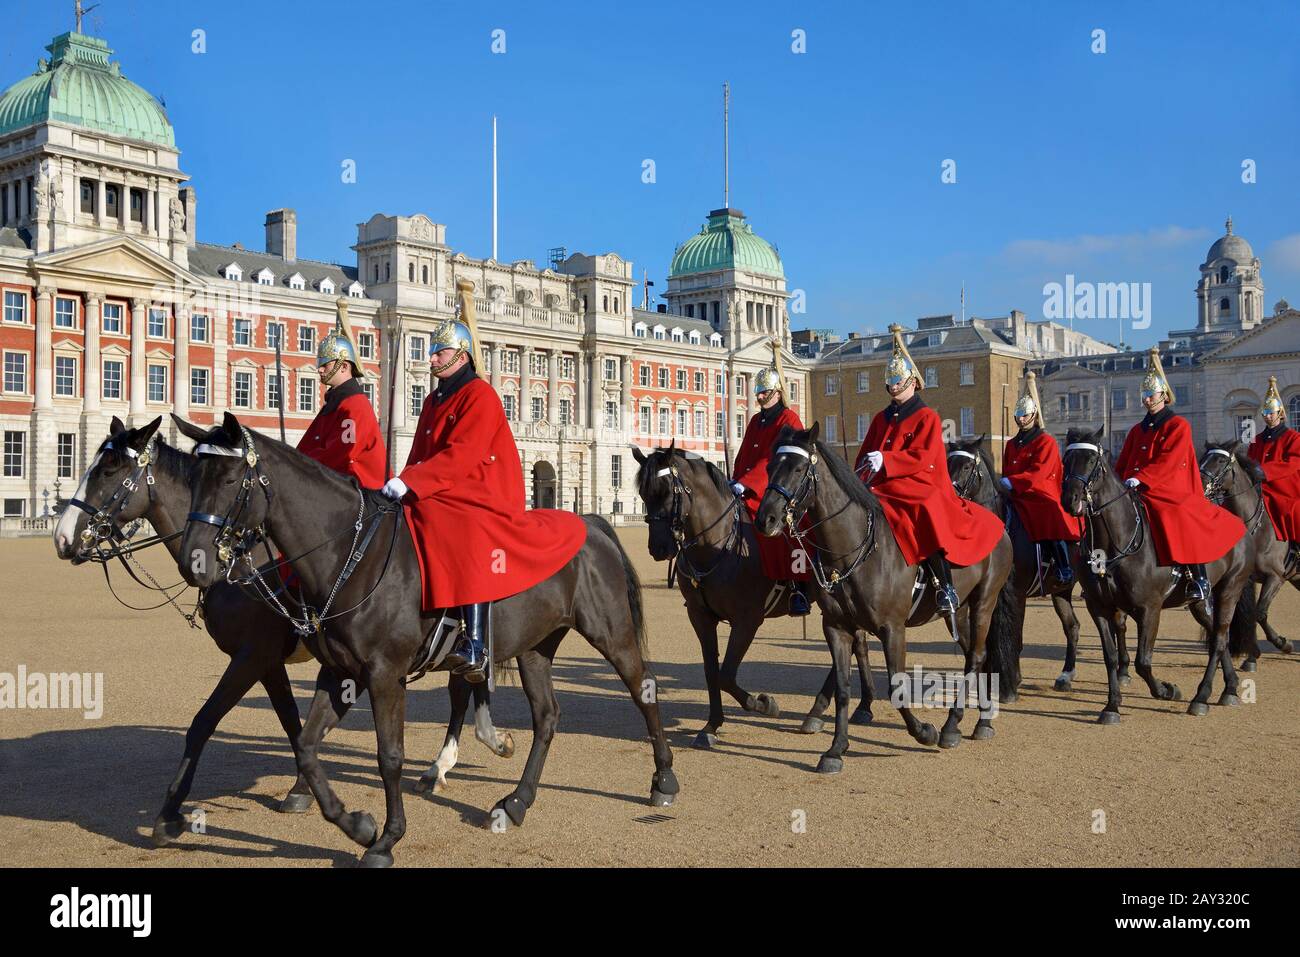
[439, 641]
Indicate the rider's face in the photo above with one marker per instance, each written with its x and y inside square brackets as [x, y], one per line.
[443, 356]
[1154, 403]
[1274, 419]
[900, 392]
[1025, 421]
[769, 398]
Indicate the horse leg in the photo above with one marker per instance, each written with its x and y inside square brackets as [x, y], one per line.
[1070, 623]
[742, 636]
[535, 676]
[388, 703]
[1148, 622]
[1272, 585]
[862, 714]
[328, 706]
[500, 743]
[950, 733]
[815, 720]
[458, 690]
[981, 614]
[1224, 609]
[276, 682]
[893, 641]
[706, 630]
[841, 645]
[240, 675]
[1120, 626]
[1109, 656]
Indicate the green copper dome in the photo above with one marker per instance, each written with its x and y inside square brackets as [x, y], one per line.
[726, 242]
[80, 87]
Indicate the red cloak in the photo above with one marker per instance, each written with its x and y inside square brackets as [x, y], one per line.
[345, 436]
[1034, 471]
[1186, 528]
[474, 538]
[1279, 456]
[777, 553]
[923, 509]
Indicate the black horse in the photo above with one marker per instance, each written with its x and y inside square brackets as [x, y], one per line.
[697, 522]
[1122, 575]
[253, 488]
[1233, 480]
[867, 583]
[131, 479]
[971, 471]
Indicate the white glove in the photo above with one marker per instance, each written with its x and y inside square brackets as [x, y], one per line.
[876, 460]
[1006, 483]
[1132, 482]
[738, 489]
[394, 488]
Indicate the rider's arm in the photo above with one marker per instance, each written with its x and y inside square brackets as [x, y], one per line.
[1287, 462]
[1176, 454]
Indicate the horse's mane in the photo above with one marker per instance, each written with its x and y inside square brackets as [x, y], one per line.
[720, 481]
[840, 470]
[315, 470]
[173, 462]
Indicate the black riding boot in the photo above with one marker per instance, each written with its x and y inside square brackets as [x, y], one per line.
[799, 605]
[469, 658]
[1200, 582]
[1061, 553]
[946, 597]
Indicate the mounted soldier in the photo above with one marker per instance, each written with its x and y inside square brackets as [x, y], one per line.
[345, 434]
[1031, 474]
[1159, 460]
[749, 477]
[1277, 450]
[904, 452]
[464, 486]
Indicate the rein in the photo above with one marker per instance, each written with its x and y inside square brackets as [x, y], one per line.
[676, 525]
[1098, 511]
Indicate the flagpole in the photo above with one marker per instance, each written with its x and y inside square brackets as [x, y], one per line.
[279, 376]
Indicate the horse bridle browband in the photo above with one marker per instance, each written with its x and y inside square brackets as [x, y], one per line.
[232, 539]
[102, 526]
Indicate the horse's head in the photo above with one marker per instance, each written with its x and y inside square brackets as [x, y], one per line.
[790, 478]
[229, 501]
[1083, 465]
[113, 491]
[669, 482]
[965, 466]
[1227, 470]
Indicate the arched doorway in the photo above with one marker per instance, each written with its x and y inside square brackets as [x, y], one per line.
[544, 485]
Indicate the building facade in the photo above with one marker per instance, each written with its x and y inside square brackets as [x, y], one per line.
[113, 307]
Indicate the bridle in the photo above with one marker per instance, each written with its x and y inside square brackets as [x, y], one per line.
[234, 539]
[679, 492]
[1217, 490]
[796, 506]
[971, 474]
[1095, 511]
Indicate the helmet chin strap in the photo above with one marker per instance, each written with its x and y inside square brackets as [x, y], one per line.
[448, 364]
[338, 365]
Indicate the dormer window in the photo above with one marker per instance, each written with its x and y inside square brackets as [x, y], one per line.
[677, 334]
[327, 286]
[297, 282]
[356, 290]
[234, 272]
[639, 330]
[695, 337]
[715, 339]
[660, 332]
[264, 277]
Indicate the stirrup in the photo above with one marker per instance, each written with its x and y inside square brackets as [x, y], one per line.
[799, 605]
[946, 600]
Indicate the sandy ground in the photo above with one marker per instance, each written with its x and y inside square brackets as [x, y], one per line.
[1173, 789]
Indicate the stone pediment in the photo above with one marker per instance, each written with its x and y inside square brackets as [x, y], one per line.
[116, 263]
[1279, 337]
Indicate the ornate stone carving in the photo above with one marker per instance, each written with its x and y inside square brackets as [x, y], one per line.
[177, 215]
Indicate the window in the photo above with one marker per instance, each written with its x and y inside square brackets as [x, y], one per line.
[15, 306]
[659, 332]
[368, 389]
[699, 382]
[862, 426]
[366, 346]
[681, 380]
[719, 383]
[539, 408]
[740, 425]
[16, 372]
[410, 272]
[695, 337]
[699, 423]
[611, 414]
[65, 376]
[864, 381]
[157, 383]
[243, 332]
[663, 421]
[88, 192]
[1079, 401]
[720, 423]
[157, 327]
[274, 335]
[15, 449]
[306, 339]
[677, 334]
[198, 386]
[566, 412]
[417, 399]
[794, 391]
[1223, 274]
[65, 313]
[616, 471]
[643, 374]
[67, 448]
[639, 330]
[306, 394]
[266, 278]
[424, 275]
[683, 422]
[416, 352]
[690, 314]
[198, 327]
[616, 304]
[112, 206]
[931, 377]
[485, 364]
[243, 390]
[273, 390]
[510, 362]
[967, 373]
[830, 431]
[1293, 409]
[113, 317]
[1225, 305]
[509, 402]
[112, 379]
[1062, 401]
[234, 273]
[832, 385]
[663, 377]
[611, 370]
[566, 367]
[537, 364]
[967, 421]
[14, 507]
[645, 420]
[1118, 400]
[297, 282]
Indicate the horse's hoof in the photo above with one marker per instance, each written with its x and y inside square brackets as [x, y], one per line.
[376, 859]
[811, 725]
[829, 765]
[507, 748]
[1125, 679]
[363, 829]
[928, 735]
[514, 809]
[1198, 708]
[1009, 696]
[705, 740]
[167, 829]
[1229, 700]
[1249, 665]
[295, 803]
[861, 715]
[1287, 648]
[425, 782]
[1062, 684]
[1108, 717]
[1174, 694]
[659, 799]
[983, 731]
[949, 739]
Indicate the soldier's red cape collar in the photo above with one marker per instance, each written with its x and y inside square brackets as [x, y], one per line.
[1025, 437]
[448, 387]
[768, 416]
[897, 413]
[1268, 435]
[338, 393]
[1150, 422]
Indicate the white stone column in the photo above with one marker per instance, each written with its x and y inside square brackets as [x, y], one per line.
[99, 199]
[44, 348]
[498, 357]
[139, 309]
[596, 389]
[625, 394]
[579, 390]
[181, 364]
[92, 318]
[553, 387]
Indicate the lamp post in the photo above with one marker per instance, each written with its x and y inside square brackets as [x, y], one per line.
[839, 378]
[45, 494]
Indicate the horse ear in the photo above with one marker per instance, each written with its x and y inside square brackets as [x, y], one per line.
[142, 436]
[188, 429]
[638, 455]
[979, 440]
[1096, 436]
[230, 425]
[116, 426]
[814, 431]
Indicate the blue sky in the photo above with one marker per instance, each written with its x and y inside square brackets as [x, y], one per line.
[1114, 167]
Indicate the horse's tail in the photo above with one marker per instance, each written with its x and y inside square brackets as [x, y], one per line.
[1244, 630]
[632, 581]
[1005, 637]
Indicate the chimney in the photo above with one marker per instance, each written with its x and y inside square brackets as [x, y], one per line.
[282, 234]
[190, 203]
